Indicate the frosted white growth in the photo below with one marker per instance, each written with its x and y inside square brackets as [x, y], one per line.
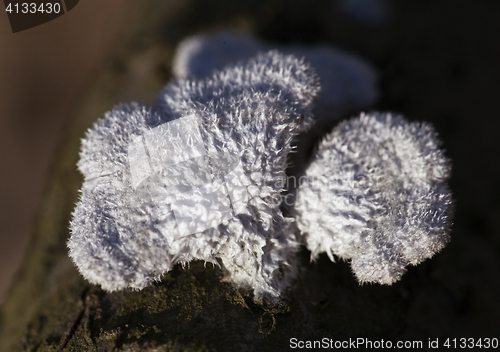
[195, 177]
[375, 193]
[182, 178]
[348, 83]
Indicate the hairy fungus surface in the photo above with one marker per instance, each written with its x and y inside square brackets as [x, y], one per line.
[202, 173]
[376, 193]
[195, 177]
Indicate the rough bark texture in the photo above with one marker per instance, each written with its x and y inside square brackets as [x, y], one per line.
[438, 62]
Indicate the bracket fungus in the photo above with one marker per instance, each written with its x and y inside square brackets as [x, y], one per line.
[348, 83]
[375, 192]
[199, 175]
[195, 177]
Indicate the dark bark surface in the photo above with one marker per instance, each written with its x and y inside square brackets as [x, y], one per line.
[438, 62]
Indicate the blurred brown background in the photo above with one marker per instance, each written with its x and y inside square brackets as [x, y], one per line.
[43, 71]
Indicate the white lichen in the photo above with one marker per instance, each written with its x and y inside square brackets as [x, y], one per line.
[375, 193]
[157, 180]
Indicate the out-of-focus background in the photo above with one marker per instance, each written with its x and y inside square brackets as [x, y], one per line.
[43, 72]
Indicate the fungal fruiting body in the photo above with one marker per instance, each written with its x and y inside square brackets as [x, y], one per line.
[195, 177]
[348, 83]
[200, 176]
[375, 192]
